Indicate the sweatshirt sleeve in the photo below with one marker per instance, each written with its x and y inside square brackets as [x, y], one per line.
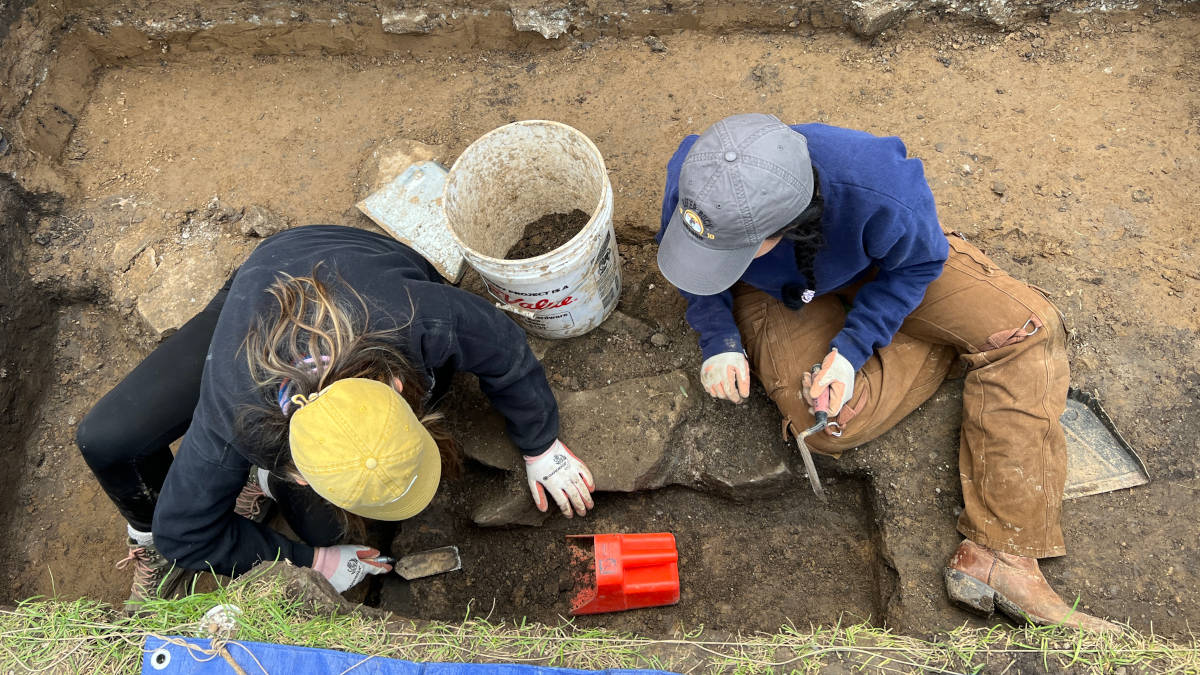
[471, 335]
[909, 251]
[709, 315]
[194, 522]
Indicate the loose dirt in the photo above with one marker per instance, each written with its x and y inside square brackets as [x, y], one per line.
[1069, 150]
[547, 233]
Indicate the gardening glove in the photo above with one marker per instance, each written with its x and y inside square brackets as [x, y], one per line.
[836, 376]
[345, 566]
[562, 474]
[727, 376]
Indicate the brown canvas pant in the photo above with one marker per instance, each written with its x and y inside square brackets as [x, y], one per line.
[1011, 341]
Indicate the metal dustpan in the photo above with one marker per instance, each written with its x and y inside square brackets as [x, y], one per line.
[1098, 458]
[410, 209]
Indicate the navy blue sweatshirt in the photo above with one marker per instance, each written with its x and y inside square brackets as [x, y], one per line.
[441, 329]
[879, 214]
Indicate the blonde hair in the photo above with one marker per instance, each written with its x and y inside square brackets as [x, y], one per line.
[318, 334]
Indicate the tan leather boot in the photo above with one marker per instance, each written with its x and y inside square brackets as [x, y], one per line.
[983, 580]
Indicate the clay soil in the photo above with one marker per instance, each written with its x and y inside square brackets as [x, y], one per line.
[1069, 150]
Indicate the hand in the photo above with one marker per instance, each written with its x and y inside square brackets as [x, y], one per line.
[562, 474]
[836, 376]
[726, 376]
[345, 566]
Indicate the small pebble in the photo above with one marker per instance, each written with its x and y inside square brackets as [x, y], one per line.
[656, 45]
[940, 147]
[999, 188]
[1141, 197]
[660, 340]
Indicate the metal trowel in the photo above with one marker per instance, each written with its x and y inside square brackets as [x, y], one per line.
[425, 563]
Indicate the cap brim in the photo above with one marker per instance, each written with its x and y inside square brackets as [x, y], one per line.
[429, 474]
[696, 269]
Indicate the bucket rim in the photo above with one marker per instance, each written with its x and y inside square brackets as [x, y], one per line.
[597, 209]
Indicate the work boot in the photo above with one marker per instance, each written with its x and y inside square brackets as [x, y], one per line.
[983, 580]
[252, 503]
[153, 575]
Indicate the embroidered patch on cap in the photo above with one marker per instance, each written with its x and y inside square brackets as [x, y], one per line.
[693, 218]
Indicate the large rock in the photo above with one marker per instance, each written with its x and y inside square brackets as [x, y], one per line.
[176, 278]
[259, 221]
[548, 21]
[710, 462]
[621, 431]
[639, 434]
[183, 282]
[872, 17]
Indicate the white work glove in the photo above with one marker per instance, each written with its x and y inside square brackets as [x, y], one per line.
[345, 566]
[727, 376]
[836, 376]
[562, 474]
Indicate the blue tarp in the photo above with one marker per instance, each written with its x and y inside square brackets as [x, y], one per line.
[258, 658]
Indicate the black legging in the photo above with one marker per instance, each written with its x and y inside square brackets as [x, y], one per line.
[126, 437]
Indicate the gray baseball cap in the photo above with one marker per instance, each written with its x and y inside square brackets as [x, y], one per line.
[745, 178]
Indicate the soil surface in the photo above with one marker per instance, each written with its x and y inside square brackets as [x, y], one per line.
[779, 562]
[1069, 150]
[547, 233]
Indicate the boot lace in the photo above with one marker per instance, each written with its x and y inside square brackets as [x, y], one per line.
[143, 574]
[249, 502]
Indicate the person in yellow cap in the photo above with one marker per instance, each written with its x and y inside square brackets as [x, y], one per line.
[318, 364]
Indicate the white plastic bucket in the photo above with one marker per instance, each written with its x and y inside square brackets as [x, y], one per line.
[512, 176]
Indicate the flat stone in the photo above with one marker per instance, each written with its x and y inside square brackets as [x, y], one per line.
[410, 21]
[621, 430]
[736, 451]
[549, 23]
[259, 221]
[185, 278]
[871, 18]
[620, 322]
[510, 506]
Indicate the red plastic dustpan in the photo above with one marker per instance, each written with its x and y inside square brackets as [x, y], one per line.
[615, 572]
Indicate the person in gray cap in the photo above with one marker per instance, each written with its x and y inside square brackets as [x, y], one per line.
[813, 254]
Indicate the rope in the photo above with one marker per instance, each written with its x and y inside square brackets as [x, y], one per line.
[217, 647]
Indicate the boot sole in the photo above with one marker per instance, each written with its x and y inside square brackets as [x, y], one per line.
[972, 594]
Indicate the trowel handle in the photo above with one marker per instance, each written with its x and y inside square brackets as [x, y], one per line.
[821, 405]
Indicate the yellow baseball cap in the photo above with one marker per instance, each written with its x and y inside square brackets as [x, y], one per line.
[359, 445]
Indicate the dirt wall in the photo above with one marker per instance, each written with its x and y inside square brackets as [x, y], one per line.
[25, 327]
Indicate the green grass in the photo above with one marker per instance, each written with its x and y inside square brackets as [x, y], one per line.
[43, 635]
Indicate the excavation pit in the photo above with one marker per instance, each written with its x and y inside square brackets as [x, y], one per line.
[142, 142]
